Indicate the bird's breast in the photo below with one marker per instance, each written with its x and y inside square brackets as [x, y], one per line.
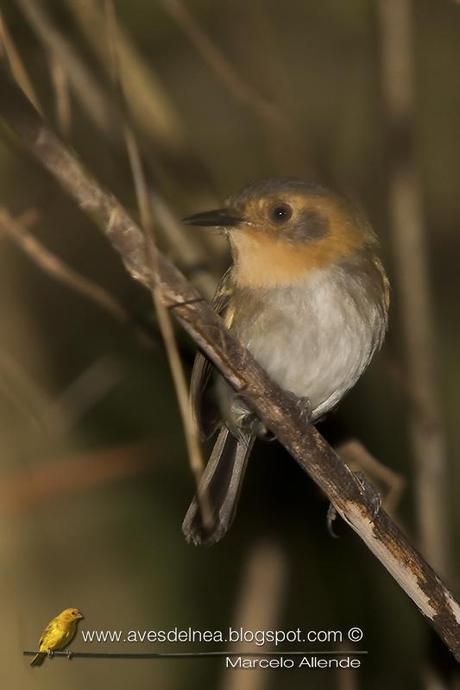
[316, 336]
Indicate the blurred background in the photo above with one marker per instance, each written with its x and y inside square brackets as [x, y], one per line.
[94, 479]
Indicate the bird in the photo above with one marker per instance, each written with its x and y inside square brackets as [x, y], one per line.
[58, 633]
[308, 296]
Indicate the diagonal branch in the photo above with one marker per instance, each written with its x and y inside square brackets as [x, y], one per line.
[354, 500]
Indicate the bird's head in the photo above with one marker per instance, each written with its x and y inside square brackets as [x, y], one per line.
[71, 615]
[281, 228]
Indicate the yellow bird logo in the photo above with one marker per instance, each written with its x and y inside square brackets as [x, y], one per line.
[57, 635]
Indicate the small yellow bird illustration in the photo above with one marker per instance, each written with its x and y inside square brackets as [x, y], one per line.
[57, 634]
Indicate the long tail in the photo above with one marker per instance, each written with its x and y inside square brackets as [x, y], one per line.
[222, 480]
[38, 659]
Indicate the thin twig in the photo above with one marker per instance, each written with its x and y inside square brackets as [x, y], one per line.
[151, 109]
[52, 419]
[183, 247]
[259, 46]
[26, 395]
[147, 100]
[61, 95]
[164, 320]
[27, 219]
[82, 81]
[89, 387]
[57, 269]
[408, 237]
[354, 500]
[212, 55]
[16, 64]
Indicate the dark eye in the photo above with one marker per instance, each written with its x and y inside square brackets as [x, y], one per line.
[279, 213]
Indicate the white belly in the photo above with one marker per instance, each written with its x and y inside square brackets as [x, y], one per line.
[314, 339]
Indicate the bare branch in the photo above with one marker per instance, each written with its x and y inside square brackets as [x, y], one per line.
[353, 500]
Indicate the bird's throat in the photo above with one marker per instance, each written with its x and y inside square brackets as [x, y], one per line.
[262, 262]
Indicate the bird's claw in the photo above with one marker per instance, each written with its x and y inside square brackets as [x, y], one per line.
[263, 433]
[246, 421]
[303, 406]
[50, 653]
[69, 654]
[371, 494]
[330, 518]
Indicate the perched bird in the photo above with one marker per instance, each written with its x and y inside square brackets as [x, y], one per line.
[308, 296]
[57, 634]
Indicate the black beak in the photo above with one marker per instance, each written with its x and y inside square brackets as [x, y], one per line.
[220, 217]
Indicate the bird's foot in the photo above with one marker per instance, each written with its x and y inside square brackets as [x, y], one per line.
[304, 407]
[69, 654]
[370, 493]
[330, 519]
[245, 421]
[50, 653]
[357, 457]
[260, 430]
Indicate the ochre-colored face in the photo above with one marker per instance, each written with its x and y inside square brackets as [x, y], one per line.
[289, 228]
[280, 228]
